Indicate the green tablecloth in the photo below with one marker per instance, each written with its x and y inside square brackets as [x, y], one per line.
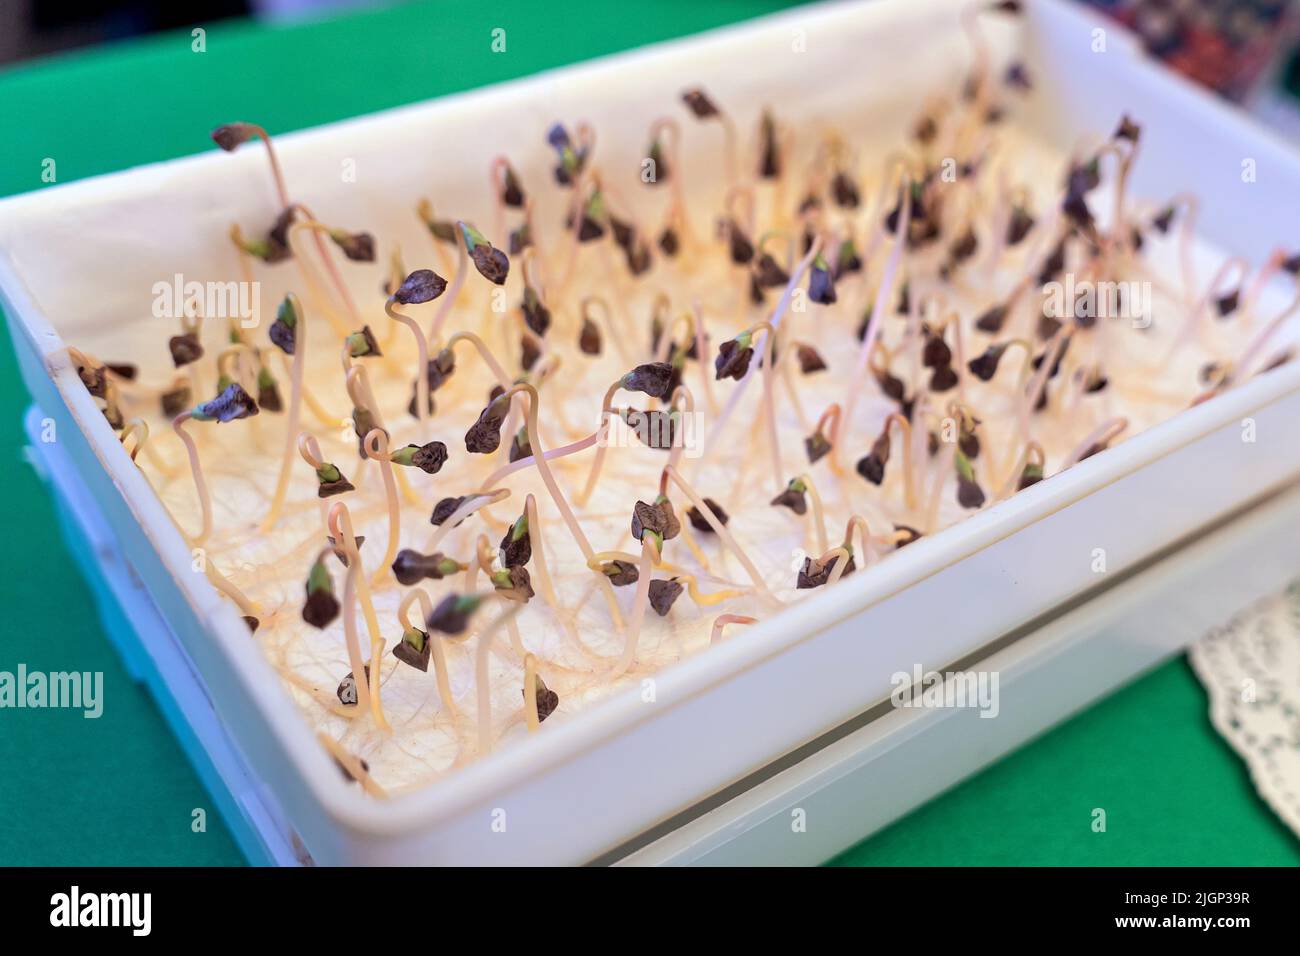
[118, 790]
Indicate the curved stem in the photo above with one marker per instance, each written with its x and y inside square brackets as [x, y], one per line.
[437, 652]
[723, 619]
[340, 525]
[482, 681]
[1102, 435]
[530, 694]
[449, 300]
[819, 516]
[196, 469]
[295, 409]
[377, 448]
[883, 295]
[548, 479]
[422, 358]
[719, 426]
[721, 530]
[645, 567]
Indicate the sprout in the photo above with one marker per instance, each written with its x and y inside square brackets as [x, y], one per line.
[547, 700]
[414, 648]
[699, 103]
[411, 567]
[1128, 130]
[422, 285]
[964, 247]
[332, 480]
[769, 153]
[654, 379]
[347, 691]
[536, 315]
[443, 230]
[872, 465]
[362, 343]
[657, 519]
[1017, 77]
[844, 191]
[175, 401]
[768, 274]
[492, 263]
[793, 497]
[810, 359]
[512, 191]
[992, 320]
[322, 607]
[571, 160]
[700, 523]
[734, 357]
[669, 244]
[452, 614]
[1032, 474]
[94, 377]
[185, 348]
[935, 353]
[513, 584]
[444, 509]
[268, 392]
[847, 262]
[232, 404]
[591, 227]
[284, 330]
[663, 594]
[620, 573]
[655, 154]
[484, 436]
[589, 340]
[817, 572]
[429, 458]
[357, 246]
[1227, 304]
[656, 428]
[985, 365]
[516, 547]
[969, 493]
[817, 445]
[741, 249]
[519, 445]
[821, 286]
[1018, 224]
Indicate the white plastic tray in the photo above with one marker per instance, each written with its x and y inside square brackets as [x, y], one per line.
[590, 785]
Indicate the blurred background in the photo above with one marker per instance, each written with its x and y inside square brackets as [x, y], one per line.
[32, 28]
[1245, 50]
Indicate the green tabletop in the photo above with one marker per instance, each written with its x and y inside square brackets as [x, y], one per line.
[118, 790]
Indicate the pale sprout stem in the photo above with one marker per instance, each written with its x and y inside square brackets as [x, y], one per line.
[196, 469]
[340, 524]
[1104, 433]
[482, 679]
[294, 414]
[422, 360]
[724, 619]
[351, 764]
[645, 567]
[723, 534]
[437, 651]
[377, 448]
[883, 296]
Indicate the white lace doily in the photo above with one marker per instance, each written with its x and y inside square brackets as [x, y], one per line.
[1251, 668]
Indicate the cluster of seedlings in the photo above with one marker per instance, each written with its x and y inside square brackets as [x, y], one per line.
[877, 277]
